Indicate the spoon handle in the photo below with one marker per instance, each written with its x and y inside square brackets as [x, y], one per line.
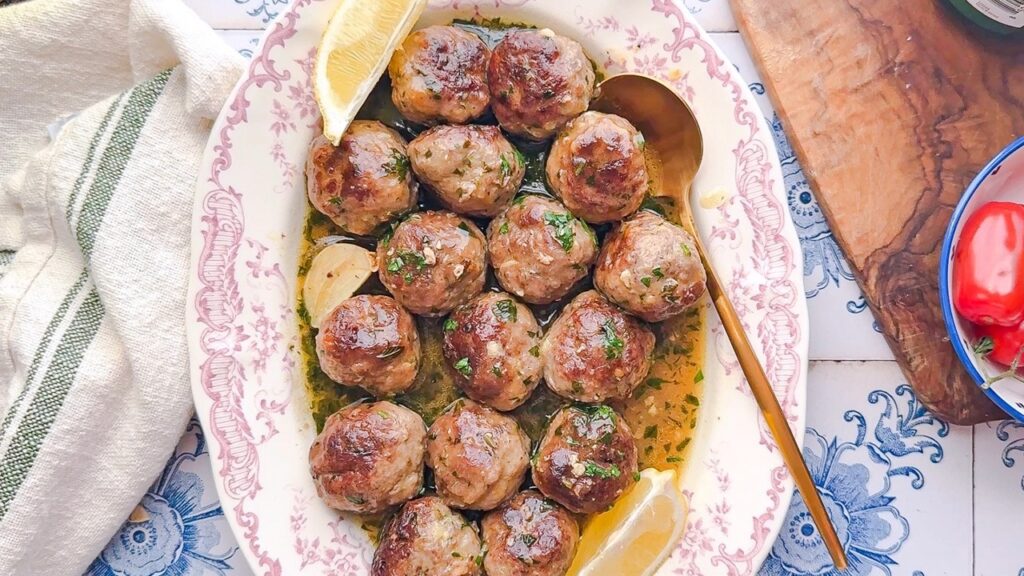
[773, 415]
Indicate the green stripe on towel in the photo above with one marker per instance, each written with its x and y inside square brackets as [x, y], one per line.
[60, 375]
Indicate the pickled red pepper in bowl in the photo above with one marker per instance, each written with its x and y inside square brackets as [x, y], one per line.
[988, 280]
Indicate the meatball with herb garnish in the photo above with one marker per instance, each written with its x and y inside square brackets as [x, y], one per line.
[650, 267]
[370, 342]
[369, 457]
[362, 182]
[587, 459]
[529, 536]
[539, 81]
[473, 170]
[428, 537]
[539, 250]
[595, 352]
[597, 167]
[492, 345]
[432, 262]
[439, 74]
[479, 456]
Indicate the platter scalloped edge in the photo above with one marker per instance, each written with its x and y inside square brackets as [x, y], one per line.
[247, 225]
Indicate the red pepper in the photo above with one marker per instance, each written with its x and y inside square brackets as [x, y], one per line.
[988, 266]
[1000, 344]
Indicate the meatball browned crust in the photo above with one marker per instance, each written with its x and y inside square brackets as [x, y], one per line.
[364, 181]
[370, 342]
[539, 250]
[529, 536]
[595, 352]
[492, 345]
[369, 457]
[650, 267]
[428, 538]
[433, 262]
[597, 167]
[473, 170]
[479, 456]
[539, 81]
[439, 74]
[587, 459]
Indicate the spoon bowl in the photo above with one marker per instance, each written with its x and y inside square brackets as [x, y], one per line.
[676, 148]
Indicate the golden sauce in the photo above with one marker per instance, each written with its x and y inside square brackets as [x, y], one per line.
[662, 412]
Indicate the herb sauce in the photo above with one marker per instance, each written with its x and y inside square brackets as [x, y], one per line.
[662, 412]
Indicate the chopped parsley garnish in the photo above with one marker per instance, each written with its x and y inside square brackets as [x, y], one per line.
[636, 476]
[674, 459]
[984, 346]
[334, 201]
[504, 228]
[692, 400]
[651, 432]
[578, 164]
[686, 249]
[519, 156]
[594, 469]
[563, 232]
[528, 539]
[657, 272]
[463, 367]
[506, 169]
[496, 370]
[646, 281]
[639, 141]
[698, 377]
[403, 261]
[505, 310]
[599, 412]
[395, 264]
[613, 345]
[464, 227]
[519, 199]
[450, 325]
[535, 351]
[383, 414]
[398, 166]
[655, 382]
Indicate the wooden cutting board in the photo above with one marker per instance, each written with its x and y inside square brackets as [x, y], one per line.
[892, 107]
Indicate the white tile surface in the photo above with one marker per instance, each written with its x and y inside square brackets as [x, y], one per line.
[999, 499]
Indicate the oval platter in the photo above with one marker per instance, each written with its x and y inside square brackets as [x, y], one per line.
[248, 224]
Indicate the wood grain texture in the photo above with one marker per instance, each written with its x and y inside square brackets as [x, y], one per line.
[892, 108]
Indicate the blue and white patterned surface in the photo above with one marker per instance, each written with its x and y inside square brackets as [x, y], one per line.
[913, 496]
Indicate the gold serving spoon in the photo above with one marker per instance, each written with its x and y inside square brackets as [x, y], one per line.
[671, 130]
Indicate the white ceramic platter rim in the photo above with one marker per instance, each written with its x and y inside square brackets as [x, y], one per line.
[247, 225]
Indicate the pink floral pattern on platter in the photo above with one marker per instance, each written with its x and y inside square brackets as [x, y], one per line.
[241, 402]
[219, 307]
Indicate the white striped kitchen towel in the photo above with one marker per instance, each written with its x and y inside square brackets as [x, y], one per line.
[105, 108]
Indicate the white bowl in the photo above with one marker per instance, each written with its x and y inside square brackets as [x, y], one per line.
[1001, 180]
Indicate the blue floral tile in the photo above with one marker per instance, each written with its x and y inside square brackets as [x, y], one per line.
[178, 528]
[999, 498]
[882, 464]
[238, 14]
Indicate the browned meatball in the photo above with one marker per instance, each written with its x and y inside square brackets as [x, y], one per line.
[433, 262]
[539, 81]
[426, 538]
[479, 456]
[529, 536]
[473, 170]
[650, 267]
[370, 342]
[368, 457]
[364, 181]
[439, 74]
[493, 346]
[595, 352]
[539, 251]
[597, 167]
[587, 459]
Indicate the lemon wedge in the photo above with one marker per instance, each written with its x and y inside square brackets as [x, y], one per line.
[638, 533]
[353, 53]
[335, 274]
